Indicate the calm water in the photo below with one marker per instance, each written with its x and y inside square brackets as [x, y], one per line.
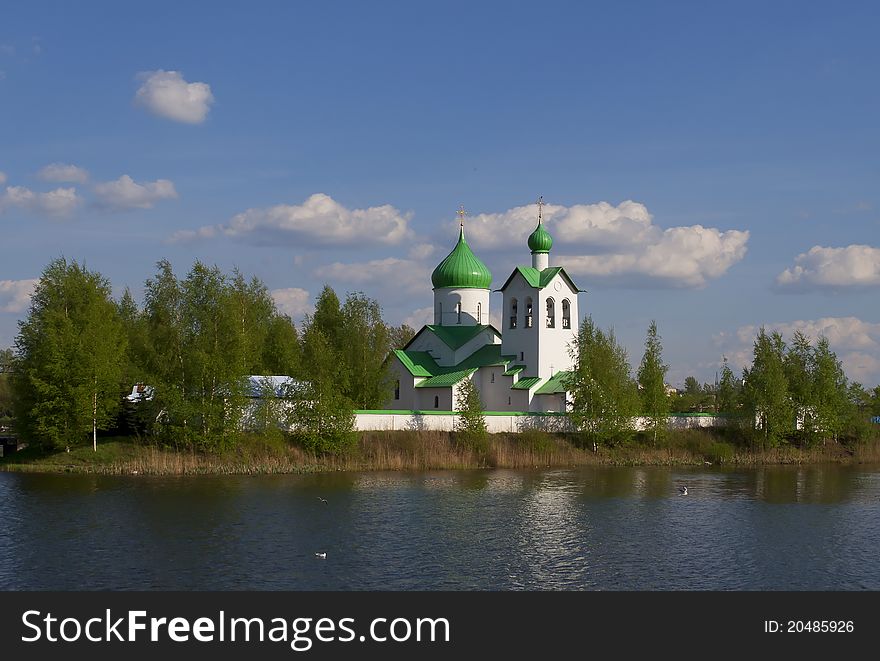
[815, 528]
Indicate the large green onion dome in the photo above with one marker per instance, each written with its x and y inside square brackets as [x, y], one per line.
[540, 240]
[461, 269]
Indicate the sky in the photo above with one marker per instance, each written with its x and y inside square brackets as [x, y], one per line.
[713, 167]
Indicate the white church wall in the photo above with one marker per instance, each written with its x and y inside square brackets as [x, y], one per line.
[425, 399]
[407, 399]
[474, 305]
[488, 336]
[553, 343]
[431, 344]
[521, 340]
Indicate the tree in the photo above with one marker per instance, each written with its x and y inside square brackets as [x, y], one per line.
[282, 353]
[765, 391]
[399, 336]
[728, 392]
[652, 384]
[365, 343]
[71, 350]
[605, 398]
[470, 423]
[322, 416]
[798, 365]
[829, 387]
[7, 356]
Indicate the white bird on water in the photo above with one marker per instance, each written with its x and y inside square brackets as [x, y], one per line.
[321, 554]
[323, 500]
[682, 491]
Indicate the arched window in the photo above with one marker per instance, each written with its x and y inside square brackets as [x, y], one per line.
[436, 401]
[508, 401]
[439, 318]
[529, 312]
[551, 313]
[566, 313]
[493, 377]
[397, 389]
[458, 311]
[479, 313]
[513, 313]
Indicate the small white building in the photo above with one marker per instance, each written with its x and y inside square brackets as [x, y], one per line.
[522, 367]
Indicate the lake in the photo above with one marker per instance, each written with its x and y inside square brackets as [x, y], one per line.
[773, 528]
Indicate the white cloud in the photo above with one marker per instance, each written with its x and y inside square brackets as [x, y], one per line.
[855, 266]
[125, 193]
[167, 94]
[393, 275]
[420, 317]
[58, 202]
[319, 221]
[15, 295]
[856, 342]
[64, 172]
[2, 178]
[421, 251]
[182, 236]
[292, 301]
[617, 244]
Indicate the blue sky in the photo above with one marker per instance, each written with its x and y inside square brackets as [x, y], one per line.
[711, 167]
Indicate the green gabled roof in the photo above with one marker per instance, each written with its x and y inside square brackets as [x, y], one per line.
[540, 279]
[446, 380]
[461, 269]
[484, 357]
[525, 384]
[455, 337]
[419, 363]
[556, 383]
[514, 370]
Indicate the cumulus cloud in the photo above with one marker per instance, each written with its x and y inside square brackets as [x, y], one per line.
[167, 94]
[319, 221]
[125, 193]
[856, 342]
[855, 266]
[64, 172]
[391, 274]
[292, 301]
[421, 251]
[15, 295]
[617, 244]
[58, 202]
[420, 317]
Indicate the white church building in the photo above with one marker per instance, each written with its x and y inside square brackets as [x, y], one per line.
[521, 367]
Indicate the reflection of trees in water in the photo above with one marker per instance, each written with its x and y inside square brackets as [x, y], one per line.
[804, 484]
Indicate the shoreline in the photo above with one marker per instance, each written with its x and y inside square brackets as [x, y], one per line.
[422, 451]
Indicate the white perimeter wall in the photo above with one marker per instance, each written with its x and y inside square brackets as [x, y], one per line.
[500, 423]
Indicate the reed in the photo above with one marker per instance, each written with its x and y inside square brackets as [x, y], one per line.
[427, 450]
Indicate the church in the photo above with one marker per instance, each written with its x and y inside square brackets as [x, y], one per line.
[522, 367]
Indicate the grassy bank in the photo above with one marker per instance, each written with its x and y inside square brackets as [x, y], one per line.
[403, 450]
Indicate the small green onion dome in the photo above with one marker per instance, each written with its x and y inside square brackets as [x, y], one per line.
[461, 269]
[540, 240]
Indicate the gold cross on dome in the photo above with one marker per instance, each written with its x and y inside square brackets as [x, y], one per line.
[540, 207]
[461, 214]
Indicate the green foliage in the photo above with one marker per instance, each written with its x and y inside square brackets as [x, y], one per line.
[729, 392]
[605, 398]
[652, 384]
[829, 399]
[322, 416]
[399, 336]
[202, 336]
[470, 423]
[364, 345]
[71, 350]
[7, 357]
[765, 391]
